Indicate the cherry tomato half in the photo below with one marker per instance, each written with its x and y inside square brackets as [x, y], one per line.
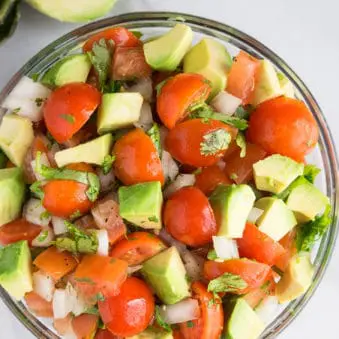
[39, 306]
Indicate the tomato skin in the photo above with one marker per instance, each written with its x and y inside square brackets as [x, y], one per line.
[17, 230]
[85, 325]
[120, 35]
[210, 177]
[183, 141]
[68, 108]
[285, 126]
[289, 244]
[242, 77]
[138, 247]
[129, 312]
[39, 306]
[258, 246]
[106, 334]
[189, 218]
[211, 322]
[255, 274]
[137, 159]
[178, 94]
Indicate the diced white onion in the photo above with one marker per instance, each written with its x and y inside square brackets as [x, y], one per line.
[167, 238]
[254, 215]
[146, 118]
[133, 269]
[226, 103]
[62, 304]
[182, 180]
[169, 166]
[193, 264]
[225, 248]
[185, 310]
[29, 96]
[106, 180]
[43, 161]
[45, 238]
[144, 87]
[35, 213]
[103, 242]
[43, 285]
[59, 226]
[268, 309]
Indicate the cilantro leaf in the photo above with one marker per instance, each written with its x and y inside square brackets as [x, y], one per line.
[92, 310]
[137, 34]
[297, 182]
[39, 101]
[153, 219]
[113, 86]
[242, 113]
[161, 322]
[215, 141]
[190, 324]
[311, 172]
[35, 77]
[227, 282]
[68, 117]
[42, 236]
[212, 255]
[241, 142]
[36, 189]
[108, 163]
[154, 134]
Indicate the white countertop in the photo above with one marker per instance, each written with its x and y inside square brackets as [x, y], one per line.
[305, 33]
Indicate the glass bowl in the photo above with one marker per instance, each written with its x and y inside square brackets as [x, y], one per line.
[155, 23]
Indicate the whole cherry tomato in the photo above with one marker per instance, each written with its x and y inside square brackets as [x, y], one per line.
[285, 126]
[189, 218]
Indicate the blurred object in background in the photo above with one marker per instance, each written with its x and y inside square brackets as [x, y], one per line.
[9, 17]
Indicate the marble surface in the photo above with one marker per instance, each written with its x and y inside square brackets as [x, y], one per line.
[305, 33]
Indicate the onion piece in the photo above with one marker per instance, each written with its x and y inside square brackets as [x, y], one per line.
[59, 226]
[62, 304]
[29, 96]
[193, 264]
[103, 242]
[144, 87]
[133, 269]
[45, 238]
[107, 181]
[254, 215]
[268, 309]
[43, 285]
[225, 248]
[169, 166]
[182, 180]
[185, 310]
[43, 161]
[167, 238]
[226, 103]
[35, 213]
[146, 118]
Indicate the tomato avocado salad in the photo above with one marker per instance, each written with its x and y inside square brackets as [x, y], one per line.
[157, 189]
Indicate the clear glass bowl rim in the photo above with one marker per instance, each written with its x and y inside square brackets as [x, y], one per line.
[242, 40]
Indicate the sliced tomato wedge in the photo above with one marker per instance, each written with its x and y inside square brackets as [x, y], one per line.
[39, 306]
[289, 244]
[106, 334]
[85, 325]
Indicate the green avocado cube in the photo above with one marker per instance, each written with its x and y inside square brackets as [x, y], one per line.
[153, 333]
[286, 86]
[141, 204]
[91, 152]
[15, 269]
[12, 194]
[275, 173]
[166, 273]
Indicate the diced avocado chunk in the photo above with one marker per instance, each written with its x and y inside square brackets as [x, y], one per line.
[12, 194]
[153, 333]
[211, 59]
[243, 322]
[296, 279]
[267, 86]
[16, 136]
[141, 204]
[166, 52]
[91, 152]
[275, 173]
[166, 273]
[232, 205]
[286, 86]
[277, 220]
[73, 68]
[15, 269]
[306, 201]
[118, 110]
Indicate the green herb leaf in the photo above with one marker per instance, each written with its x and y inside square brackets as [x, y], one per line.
[42, 236]
[94, 187]
[85, 280]
[68, 117]
[92, 310]
[36, 189]
[16, 110]
[297, 182]
[190, 324]
[35, 77]
[99, 297]
[39, 101]
[108, 163]
[160, 85]
[234, 176]
[242, 113]
[113, 86]
[154, 134]
[212, 255]
[153, 219]
[241, 142]
[44, 215]
[75, 215]
[215, 142]
[311, 172]
[137, 34]
[161, 321]
[227, 282]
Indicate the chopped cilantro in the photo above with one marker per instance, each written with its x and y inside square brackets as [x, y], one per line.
[161, 321]
[99, 297]
[212, 255]
[154, 134]
[108, 163]
[227, 282]
[42, 236]
[190, 324]
[36, 189]
[16, 110]
[85, 280]
[215, 142]
[153, 219]
[92, 310]
[241, 142]
[75, 215]
[137, 34]
[113, 86]
[234, 176]
[68, 117]
[44, 215]
[39, 101]
[35, 77]
[311, 172]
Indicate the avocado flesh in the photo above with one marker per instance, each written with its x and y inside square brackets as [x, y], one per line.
[166, 52]
[12, 194]
[243, 322]
[210, 59]
[166, 273]
[306, 201]
[286, 86]
[118, 110]
[153, 333]
[141, 204]
[15, 269]
[73, 68]
[296, 279]
[92, 152]
[275, 173]
[232, 205]
[16, 136]
[277, 220]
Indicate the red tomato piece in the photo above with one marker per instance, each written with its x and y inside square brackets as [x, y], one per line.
[284, 126]
[63, 325]
[242, 77]
[256, 245]
[68, 108]
[85, 325]
[189, 218]
[106, 334]
[233, 147]
[211, 322]
[184, 141]
[210, 177]
[129, 312]
[137, 159]
[255, 274]
[17, 230]
[39, 306]
[289, 244]
[178, 94]
[120, 35]
[98, 274]
[138, 247]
